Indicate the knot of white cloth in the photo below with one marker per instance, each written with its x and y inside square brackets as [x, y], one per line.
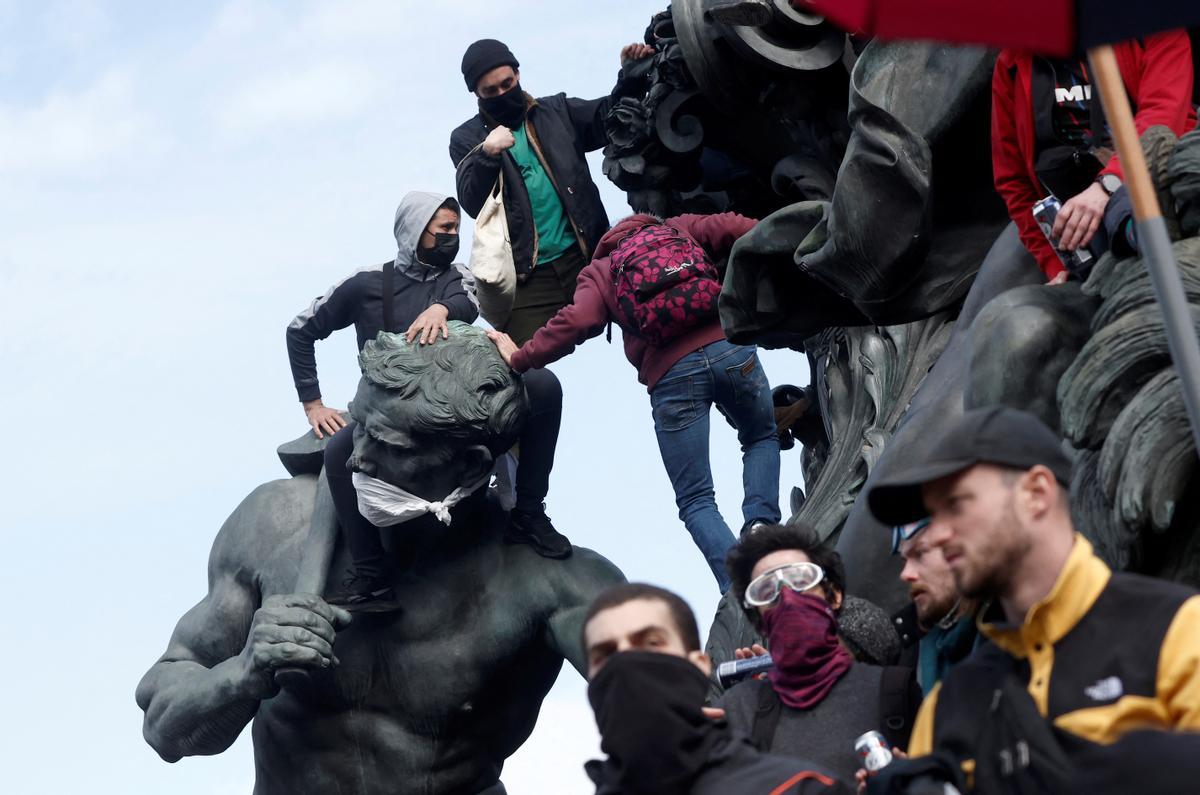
[383, 504]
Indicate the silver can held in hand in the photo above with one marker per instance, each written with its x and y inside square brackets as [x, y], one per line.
[732, 671]
[1044, 212]
[873, 751]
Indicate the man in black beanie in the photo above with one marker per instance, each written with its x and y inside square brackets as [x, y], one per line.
[555, 218]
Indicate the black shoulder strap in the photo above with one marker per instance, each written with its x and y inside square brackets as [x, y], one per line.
[389, 278]
[766, 717]
[898, 702]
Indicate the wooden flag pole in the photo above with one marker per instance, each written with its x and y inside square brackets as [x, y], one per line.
[1153, 242]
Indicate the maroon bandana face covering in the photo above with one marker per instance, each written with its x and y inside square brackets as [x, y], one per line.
[809, 660]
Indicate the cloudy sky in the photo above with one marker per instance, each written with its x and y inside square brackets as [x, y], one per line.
[177, 180]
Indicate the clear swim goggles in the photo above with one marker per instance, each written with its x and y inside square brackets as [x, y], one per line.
[764, 589]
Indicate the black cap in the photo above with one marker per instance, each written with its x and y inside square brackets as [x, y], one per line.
[993, 435]
[482, 57]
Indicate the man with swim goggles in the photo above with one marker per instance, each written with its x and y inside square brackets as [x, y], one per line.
[818, 698]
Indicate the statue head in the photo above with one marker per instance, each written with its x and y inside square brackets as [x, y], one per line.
[432, 418]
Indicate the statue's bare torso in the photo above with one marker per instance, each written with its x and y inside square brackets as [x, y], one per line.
[431, 698]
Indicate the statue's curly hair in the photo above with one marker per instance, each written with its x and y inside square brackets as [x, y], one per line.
[457, 387]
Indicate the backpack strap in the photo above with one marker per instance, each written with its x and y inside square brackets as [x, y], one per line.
[899, 698]
[766, 717]
[389, 280]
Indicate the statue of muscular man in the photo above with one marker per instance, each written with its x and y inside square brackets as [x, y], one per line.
[432, 697]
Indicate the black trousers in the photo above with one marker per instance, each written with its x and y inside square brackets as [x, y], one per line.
[548, 289]
[538, 441]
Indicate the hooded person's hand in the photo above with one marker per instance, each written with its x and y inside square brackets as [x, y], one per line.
[429, 324]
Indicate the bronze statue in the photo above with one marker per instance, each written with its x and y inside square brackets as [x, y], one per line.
[432, 697]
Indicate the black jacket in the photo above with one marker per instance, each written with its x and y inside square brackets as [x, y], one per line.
[564, 129]
[358, 300]
[736, 767]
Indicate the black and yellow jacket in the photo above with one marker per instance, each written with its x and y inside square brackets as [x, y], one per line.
[1102, 655]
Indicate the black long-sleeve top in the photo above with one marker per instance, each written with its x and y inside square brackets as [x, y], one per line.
[358, 300]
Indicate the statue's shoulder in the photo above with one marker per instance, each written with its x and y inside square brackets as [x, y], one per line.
[584, 574]
[267, 528]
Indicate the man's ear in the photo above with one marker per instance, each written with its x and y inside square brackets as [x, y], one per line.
[474, 463]
[1041, 490]
[701, 661]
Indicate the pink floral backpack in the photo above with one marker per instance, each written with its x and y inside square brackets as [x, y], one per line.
[665, 283]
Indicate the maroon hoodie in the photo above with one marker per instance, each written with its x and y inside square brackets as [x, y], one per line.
[595, 303]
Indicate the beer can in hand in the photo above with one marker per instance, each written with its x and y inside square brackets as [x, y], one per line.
[873, 751]
[1044, 212]
[733, 671]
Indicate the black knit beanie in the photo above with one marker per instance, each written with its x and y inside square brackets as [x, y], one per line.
[482, 57]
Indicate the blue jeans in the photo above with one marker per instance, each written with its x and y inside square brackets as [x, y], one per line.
[732, 377]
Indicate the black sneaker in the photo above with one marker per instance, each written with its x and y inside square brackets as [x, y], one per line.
[535, 529]
[366, 592]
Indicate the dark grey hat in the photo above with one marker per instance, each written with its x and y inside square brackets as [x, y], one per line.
[993, 435]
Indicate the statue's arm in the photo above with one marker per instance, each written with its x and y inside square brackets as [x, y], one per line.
[221, 659]
[579, 579]
[201, 693]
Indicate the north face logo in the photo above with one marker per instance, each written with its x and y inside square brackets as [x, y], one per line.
[1109, 689]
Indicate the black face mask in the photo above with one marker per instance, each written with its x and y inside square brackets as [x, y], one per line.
[442, 252]
[647, 708]
[508, 108]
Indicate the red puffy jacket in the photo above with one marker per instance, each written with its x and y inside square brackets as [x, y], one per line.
[1158, 76]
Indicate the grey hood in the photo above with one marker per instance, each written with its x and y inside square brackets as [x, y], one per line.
[415, 212]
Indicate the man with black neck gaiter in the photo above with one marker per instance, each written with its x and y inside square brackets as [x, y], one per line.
[816, 700]
[647, 682]
[554, 214]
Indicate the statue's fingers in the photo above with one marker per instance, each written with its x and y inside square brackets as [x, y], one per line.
[294, 655]
[303, 637]
[310, 604]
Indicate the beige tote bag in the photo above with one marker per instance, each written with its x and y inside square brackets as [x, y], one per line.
[492, 259]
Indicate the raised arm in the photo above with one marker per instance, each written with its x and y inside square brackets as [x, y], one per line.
[715, 233]
[221, 659]
[475, 170]
[577, 322]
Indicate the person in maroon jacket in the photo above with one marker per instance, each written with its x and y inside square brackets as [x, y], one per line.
[685, 376]
[1048, 136]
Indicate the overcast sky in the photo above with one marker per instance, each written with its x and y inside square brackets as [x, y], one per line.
[177, 180]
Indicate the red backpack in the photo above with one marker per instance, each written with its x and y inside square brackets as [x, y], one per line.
[665, 283]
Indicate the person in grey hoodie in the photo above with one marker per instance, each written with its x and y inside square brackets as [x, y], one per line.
[416, 293]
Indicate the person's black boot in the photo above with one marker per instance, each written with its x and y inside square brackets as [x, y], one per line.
[366, 591]
[534, 528]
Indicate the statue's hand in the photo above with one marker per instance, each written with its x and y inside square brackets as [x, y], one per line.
[289, 631]
[498, 140]
[323, 419]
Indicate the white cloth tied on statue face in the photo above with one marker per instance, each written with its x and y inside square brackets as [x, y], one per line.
[383, 504]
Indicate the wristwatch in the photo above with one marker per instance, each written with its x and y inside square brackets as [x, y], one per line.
[1110, 182]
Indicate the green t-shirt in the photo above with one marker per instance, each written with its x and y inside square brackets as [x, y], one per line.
[549, 219]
